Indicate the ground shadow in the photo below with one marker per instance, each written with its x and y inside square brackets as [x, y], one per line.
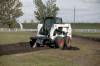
[21, 47]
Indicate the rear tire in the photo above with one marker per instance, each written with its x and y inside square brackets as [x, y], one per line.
[59, 42]
[65, 42]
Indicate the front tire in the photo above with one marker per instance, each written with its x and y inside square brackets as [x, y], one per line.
[32, 42]
[60, 42]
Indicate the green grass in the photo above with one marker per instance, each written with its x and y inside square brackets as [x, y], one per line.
[91, 35]
[14, 37]
[25, 25]
[85, 25]
[74, 25]
[30, 25]
[40, 58]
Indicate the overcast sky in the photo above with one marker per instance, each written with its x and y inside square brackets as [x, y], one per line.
[86, 10]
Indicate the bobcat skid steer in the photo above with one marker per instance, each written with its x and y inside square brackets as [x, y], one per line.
[52, 33]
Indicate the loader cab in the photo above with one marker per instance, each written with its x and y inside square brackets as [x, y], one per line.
[52, 20]
[47, 24]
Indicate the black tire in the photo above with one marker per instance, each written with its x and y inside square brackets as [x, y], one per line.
[65, 43]
[58, 44]
[32, 42]
[38, 45]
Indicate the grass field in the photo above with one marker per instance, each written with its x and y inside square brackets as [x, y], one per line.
[88, 55]
[46, 57]
[91, 35]
[85, 25]
[15, 37]
[74, 25]
[39, 58]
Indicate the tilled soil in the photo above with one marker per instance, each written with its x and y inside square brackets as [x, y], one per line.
[18, 48]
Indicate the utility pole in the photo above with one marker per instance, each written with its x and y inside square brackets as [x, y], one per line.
[74, 20]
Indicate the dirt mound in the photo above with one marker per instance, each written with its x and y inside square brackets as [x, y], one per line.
[18, 48]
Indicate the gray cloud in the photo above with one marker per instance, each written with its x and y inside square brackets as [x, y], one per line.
[92, 1]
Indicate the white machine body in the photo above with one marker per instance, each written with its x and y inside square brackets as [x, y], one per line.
[65, 28]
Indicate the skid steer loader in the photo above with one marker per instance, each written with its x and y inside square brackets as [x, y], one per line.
[51, 32]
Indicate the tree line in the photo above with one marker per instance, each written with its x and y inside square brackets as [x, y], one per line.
[10, 10]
